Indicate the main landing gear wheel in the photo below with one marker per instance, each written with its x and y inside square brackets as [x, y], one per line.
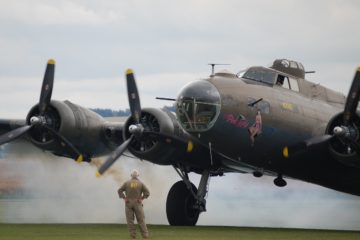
[180, 204]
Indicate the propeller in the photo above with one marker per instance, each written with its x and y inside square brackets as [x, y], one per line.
[348, 132]
[304, 145]
[345, 131]
[114, 156]
[66, 145]
[133, 95]
[14, 134]
[352, 99]
[42, 121]
[47, 86]
[135, 129]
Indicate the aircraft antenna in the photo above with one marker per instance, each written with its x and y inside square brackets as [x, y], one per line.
[165, 98]
[213, 67]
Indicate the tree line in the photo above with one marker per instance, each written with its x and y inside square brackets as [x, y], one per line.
[107, 112]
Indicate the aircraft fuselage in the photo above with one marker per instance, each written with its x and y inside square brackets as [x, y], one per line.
[253, 123]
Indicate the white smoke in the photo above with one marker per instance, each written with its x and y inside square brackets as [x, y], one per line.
[242, 200]
[58, 190]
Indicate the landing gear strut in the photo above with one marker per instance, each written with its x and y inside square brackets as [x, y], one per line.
[184, 202]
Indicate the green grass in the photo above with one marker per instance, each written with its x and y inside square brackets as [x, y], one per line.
[112, 231]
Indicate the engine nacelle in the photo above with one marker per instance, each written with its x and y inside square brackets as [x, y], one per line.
[338, 148]
[82, 127]
[150, 148]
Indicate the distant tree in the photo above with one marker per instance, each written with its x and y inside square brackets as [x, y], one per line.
[170, 108]
[107, 112]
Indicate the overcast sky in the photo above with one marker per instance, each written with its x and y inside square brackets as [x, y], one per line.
[170, 43]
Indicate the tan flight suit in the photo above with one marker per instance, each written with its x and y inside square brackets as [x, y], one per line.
[135, 191]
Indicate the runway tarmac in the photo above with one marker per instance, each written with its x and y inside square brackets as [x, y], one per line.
[161, 232]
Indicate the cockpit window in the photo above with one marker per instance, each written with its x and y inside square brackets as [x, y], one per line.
[198, 106]
[260, 75]
[287, 82]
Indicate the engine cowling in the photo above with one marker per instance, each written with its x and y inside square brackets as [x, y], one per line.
[82, 127]
[149, 148]
[338, 147]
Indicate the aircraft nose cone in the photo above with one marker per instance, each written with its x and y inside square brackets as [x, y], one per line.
[198, 106]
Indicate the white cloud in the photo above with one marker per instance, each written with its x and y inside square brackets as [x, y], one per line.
[22, 93]
[42, 13]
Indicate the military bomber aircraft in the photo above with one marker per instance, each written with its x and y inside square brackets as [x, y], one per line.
[263, 121]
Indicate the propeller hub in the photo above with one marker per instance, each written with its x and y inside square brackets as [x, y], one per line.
[37, 120]
[136, 129]
[347, 132]
[341, 131]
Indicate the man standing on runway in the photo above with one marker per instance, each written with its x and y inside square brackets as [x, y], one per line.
[134, 192]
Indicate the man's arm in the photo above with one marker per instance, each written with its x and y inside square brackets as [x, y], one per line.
[121, 191]
[145, 192]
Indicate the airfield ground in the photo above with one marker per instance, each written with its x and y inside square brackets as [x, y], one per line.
[113, 231]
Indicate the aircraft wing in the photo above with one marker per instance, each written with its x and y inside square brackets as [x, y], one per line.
[315, 161]
[297, 158]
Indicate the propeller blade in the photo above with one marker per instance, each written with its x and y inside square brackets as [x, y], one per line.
[67, 145]
[14, 134]
[134, 100]
[352, 99]
[47, 86]
[304, 145]
[114, 156]
[318, 140]
[355, 146]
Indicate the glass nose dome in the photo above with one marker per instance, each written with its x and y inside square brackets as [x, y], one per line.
[198, 106]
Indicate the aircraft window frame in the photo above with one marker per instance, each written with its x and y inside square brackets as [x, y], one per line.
[198, 106]
[282, 81]
[286, 84]
[241, 73]
[301, 66]
[285, 63]
[197, 115]
[293, 64]
[260, 75]
[294, 85]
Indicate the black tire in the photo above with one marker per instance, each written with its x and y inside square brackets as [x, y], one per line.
[179, 206]
[280, 182]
